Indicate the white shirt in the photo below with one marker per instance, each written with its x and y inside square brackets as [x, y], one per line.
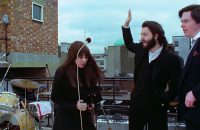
[155, 54]
[194, 39]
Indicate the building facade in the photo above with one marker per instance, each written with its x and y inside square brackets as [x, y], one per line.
[32, 32]
[182, 46]
[120, 62]
[100, 60]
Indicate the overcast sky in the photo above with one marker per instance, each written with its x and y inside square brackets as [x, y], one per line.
[102, 19]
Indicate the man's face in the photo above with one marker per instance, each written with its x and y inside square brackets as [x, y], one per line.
[147, 38]
[189, 26]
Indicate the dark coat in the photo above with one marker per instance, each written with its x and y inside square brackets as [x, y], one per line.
[149, 98]
[166, 70]
[190, 81]
[65, 96]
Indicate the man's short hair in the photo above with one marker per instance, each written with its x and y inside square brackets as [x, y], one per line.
[195, 12]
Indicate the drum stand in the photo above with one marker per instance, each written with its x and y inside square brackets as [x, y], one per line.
[5, 77]
[47, 96]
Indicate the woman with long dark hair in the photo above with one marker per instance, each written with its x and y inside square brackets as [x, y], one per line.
[76, 97]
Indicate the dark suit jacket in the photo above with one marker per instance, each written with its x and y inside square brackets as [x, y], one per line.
[190, 81]
[167, 69]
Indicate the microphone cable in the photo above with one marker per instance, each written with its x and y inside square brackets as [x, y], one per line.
[88, 40]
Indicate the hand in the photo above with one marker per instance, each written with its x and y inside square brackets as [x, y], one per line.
[189, 100]
[90, 107]
[128, 19]
[81, 106]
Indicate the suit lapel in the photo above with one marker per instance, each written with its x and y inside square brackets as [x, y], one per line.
[189, 60]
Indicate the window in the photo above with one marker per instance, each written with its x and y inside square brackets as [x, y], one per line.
[101, 63]
[176, 44]
[37, 12]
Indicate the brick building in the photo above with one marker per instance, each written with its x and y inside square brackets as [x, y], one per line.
[32, 33]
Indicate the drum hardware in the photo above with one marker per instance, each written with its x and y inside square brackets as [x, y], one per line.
[41, 110]
[5, 77]
[8, 101]
[107, 120]
[17, 120]
[46, 95]
[172, 112]
[117, 122]
[26, 111]
[49, 96]
[116, 107]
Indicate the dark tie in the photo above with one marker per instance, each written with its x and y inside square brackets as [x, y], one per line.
[192, 43]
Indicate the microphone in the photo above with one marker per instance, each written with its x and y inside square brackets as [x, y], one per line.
[87, 40]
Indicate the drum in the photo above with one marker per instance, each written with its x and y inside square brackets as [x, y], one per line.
[8, 101]
[19, 120]
[2, 112]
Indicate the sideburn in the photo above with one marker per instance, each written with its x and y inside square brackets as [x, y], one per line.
[151, 44]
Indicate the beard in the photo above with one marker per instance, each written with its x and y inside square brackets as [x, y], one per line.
[151, 44]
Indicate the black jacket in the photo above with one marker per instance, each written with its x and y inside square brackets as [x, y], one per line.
[66, 97]
[190, 81]
[166, 69]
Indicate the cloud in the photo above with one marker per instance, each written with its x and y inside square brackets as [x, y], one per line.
[102, 19]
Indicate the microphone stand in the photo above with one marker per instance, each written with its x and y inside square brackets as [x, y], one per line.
[2, 56]
[5, 76]
[88, 40]
[107, 120]
[48, 70]
[5, 54]
[51, 102]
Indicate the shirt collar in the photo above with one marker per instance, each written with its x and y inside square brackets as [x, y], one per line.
[196, 36]
[157, 51]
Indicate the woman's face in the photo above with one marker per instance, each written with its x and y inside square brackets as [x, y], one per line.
[81, 61]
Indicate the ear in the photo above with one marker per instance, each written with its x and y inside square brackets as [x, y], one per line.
[156, 36]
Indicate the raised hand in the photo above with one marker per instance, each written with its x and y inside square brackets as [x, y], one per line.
[128, 19]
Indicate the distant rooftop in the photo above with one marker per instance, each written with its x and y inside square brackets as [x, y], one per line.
[119, 42]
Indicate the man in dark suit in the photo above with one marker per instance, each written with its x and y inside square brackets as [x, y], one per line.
[154, 69]
[189, 98]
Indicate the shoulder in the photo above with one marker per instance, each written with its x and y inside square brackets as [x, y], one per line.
[61, 71]
[170, 55]
[171, 58]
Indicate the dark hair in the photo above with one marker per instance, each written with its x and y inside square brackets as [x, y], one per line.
[91, 71]
[195, 12]
[156, 28]
[170, 48]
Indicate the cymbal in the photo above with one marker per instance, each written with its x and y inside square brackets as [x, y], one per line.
[25, 83]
